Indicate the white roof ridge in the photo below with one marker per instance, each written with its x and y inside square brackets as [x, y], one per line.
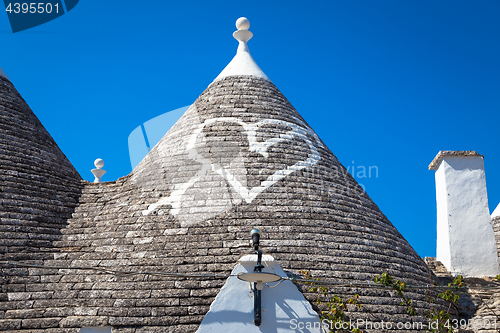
[243, 62]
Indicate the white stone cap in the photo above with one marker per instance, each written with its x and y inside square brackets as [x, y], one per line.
[496, 212]
[443, 153]
[2, 73]
[253, 258]
[243, 62]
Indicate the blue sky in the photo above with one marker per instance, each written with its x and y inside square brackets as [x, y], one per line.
[383, 83]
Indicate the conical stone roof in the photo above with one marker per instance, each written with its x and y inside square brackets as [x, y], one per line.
[39, 187]
[240, 157]
[243, 157]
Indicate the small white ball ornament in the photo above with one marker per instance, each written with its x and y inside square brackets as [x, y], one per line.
[242, 23]
[99, 163]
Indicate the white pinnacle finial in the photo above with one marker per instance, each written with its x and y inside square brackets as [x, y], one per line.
[242, 63]
[242, 35]
[98, 173]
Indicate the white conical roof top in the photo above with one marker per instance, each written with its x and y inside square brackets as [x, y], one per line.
[243, 62]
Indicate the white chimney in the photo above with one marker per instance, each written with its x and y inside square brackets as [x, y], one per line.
[465, 238]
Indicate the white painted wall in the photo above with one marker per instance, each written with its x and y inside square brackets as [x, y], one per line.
[232, 309]
[443, 253]
[465, 238]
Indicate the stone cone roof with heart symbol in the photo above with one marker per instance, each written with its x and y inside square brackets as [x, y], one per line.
[240, 157]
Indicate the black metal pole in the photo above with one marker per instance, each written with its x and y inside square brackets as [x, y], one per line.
[259, 266]
[257, 312]
[257, 301]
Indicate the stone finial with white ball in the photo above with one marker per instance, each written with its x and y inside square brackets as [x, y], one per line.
[98, 172]
[243, 62]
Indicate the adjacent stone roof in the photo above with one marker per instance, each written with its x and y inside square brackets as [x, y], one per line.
[486, 315]
[39, 186]
[39, 189]
[479, 303]
[439, 157]
[495, 220]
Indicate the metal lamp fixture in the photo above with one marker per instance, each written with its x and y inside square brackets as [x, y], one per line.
[258, 278]
[255, 234]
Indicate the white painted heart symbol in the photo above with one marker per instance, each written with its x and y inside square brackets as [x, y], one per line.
[246, 194]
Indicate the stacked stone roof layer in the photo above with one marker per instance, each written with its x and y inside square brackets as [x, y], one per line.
[495, 220]
[39, 189]
[39, 186]
[240, 157]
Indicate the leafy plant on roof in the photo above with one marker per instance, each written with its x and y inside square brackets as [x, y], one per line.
[334, 309]
[387, 280]
[441, 321]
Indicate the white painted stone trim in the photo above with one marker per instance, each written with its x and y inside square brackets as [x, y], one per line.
[232, 309]
[252, 258]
